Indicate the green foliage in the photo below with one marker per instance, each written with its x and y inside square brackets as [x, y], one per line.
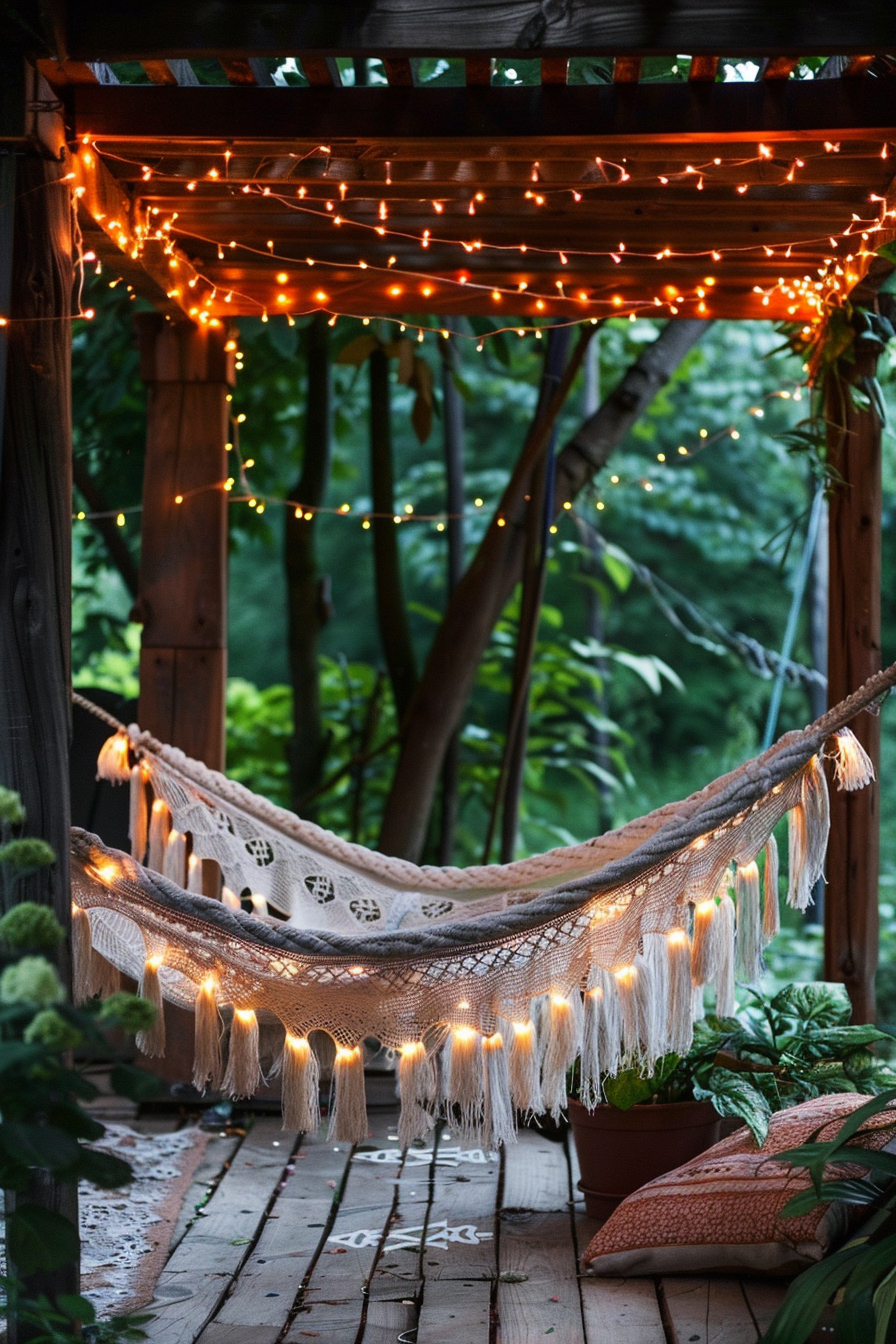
[859, 1276]
[42, 1124]
[779, 1051]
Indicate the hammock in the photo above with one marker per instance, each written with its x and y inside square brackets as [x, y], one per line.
[488, 983]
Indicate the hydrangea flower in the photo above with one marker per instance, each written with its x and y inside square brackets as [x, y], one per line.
[31, 980]
[31, 925]
[50, 1028]
[27, 853]
[128, 1012]
[11, 809]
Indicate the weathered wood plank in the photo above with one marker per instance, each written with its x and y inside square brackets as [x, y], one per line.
[211, 1253]
[536, 1174]
[621, 1311]
[707, 1311]
[108, 29]
[464, 1196]
[763, 1297]
[333, 1298]
[213, 1167]
[455, 1310]
[538, 1291]
[272, 1276]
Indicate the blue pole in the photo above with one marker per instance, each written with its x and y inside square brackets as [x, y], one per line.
[799, 590]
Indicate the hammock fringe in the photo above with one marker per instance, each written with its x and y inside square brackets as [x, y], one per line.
[300, 1086]
[771, 914]
[207, 1055]
[243, 1076]
[151, 1042]
[348, 1115]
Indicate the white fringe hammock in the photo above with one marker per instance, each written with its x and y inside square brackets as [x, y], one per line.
[489, 982]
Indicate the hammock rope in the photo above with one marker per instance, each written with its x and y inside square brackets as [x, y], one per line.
[488, 982]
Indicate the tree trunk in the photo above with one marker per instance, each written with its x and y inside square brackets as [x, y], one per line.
[35, 578]
[392, 616]
[308, 608]
[508, 792]
[854, 450]
[466, 628]
[453, 412]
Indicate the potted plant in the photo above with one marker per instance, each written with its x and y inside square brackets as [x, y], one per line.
[779, 1051]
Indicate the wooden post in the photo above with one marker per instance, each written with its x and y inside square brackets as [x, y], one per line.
[35, 574]
[854, 450]
[182, 600]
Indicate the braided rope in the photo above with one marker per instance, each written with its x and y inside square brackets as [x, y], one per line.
[716, 807]
[404, 875]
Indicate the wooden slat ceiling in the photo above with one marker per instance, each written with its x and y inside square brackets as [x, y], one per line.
[551, 200]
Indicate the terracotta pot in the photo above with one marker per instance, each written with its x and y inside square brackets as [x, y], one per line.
[619, 1151]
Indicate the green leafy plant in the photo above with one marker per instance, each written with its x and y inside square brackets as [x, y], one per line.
[778, 1052]
[44, 1127]
[860, 1276]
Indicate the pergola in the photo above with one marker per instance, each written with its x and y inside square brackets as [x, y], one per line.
[216, 190]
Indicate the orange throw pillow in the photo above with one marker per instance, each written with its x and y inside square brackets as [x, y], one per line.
[722, 1210]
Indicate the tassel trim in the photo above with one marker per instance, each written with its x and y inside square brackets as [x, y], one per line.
[243, 1077]
[771, 916]
[300, 1086]
[348, 1116]
[417, 1090]
[207, 1058]
[138, 822]
[113, 762]
[152, 1041]
[853, 767]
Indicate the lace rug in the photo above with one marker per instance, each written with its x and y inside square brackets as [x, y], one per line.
[125, 1234]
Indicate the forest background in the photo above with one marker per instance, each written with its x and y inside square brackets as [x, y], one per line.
[663, 583]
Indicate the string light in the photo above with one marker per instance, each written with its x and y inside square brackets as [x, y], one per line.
[803, 294]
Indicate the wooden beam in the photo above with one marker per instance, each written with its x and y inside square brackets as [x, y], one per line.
[322, 72]
[110, 230]
[399, 72]
[780, 67]
[771, 109]
[35, 577]
[479, 71]
[554, 69]
[109, 30]
[854, 633]
[626, 69]
[704, 69]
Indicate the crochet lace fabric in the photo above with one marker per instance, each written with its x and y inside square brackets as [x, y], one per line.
[598, 952]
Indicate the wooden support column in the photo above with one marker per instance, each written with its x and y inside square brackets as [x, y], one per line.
[182, 600]
[854, 450]
[35, 569]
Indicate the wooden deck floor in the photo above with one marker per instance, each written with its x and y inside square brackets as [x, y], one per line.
[302, 1240]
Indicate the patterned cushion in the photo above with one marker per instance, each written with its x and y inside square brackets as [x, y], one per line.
[722, 1210]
